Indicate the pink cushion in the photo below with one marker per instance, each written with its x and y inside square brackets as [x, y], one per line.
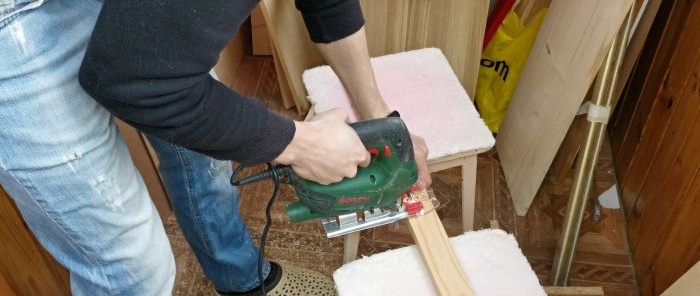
[422, 86]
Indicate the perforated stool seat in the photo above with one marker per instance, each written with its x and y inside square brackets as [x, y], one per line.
[422, 86]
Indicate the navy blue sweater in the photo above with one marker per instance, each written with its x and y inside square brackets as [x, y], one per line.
[148, 62]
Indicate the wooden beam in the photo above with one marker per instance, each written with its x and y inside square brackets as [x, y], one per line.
[436, 251]
[573, 39]
[574, 291]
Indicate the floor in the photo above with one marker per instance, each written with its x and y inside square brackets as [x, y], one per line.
[602, 258]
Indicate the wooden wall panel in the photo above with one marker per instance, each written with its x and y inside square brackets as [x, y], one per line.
[633, 109]
[657, 105]
[669, 132]
[656, 152]
[26, 267]
[5, 288]
[679, 250]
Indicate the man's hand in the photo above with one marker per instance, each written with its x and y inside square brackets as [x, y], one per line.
[420, 153]
[325, 149]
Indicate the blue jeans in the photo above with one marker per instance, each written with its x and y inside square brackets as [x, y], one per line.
[66, 166]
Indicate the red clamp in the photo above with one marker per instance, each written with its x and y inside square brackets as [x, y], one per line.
[413, 206]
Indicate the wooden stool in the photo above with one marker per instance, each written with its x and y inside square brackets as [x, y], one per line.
[421, 85]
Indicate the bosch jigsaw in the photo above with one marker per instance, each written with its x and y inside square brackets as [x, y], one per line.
[370, 199]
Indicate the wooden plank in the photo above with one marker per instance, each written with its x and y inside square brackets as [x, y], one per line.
[565, 58]
[563, 162]
[454, 26]
[436, 251]
[687, 285]
[24, 264]
[350, 244]
[574, 291]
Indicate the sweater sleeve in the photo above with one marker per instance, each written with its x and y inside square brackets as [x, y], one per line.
[331, 20]
[147, 62]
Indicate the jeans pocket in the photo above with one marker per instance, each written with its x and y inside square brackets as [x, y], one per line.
[10, 8]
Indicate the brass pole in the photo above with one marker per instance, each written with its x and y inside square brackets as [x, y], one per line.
[588, 156]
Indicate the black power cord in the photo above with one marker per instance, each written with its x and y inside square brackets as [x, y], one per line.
[268, 216]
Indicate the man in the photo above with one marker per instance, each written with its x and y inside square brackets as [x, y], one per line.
[65, 165]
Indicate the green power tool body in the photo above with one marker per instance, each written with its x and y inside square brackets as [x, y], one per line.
[369, 199]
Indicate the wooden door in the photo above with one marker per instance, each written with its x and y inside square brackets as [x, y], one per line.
[655, 137]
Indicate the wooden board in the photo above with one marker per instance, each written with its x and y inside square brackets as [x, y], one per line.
[565, 58]
[563, 162]
[645, 12]
[454, 26]
[436, 251]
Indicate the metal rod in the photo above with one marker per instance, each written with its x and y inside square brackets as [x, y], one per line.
[588, 156]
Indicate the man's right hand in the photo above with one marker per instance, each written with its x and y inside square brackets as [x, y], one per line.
[325, 149]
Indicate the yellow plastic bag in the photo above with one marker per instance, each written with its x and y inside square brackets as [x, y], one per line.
[501, 64]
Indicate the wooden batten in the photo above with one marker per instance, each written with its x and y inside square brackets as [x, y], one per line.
[436, 251]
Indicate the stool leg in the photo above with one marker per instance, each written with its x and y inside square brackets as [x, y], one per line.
[468, 192]
[350, 243]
